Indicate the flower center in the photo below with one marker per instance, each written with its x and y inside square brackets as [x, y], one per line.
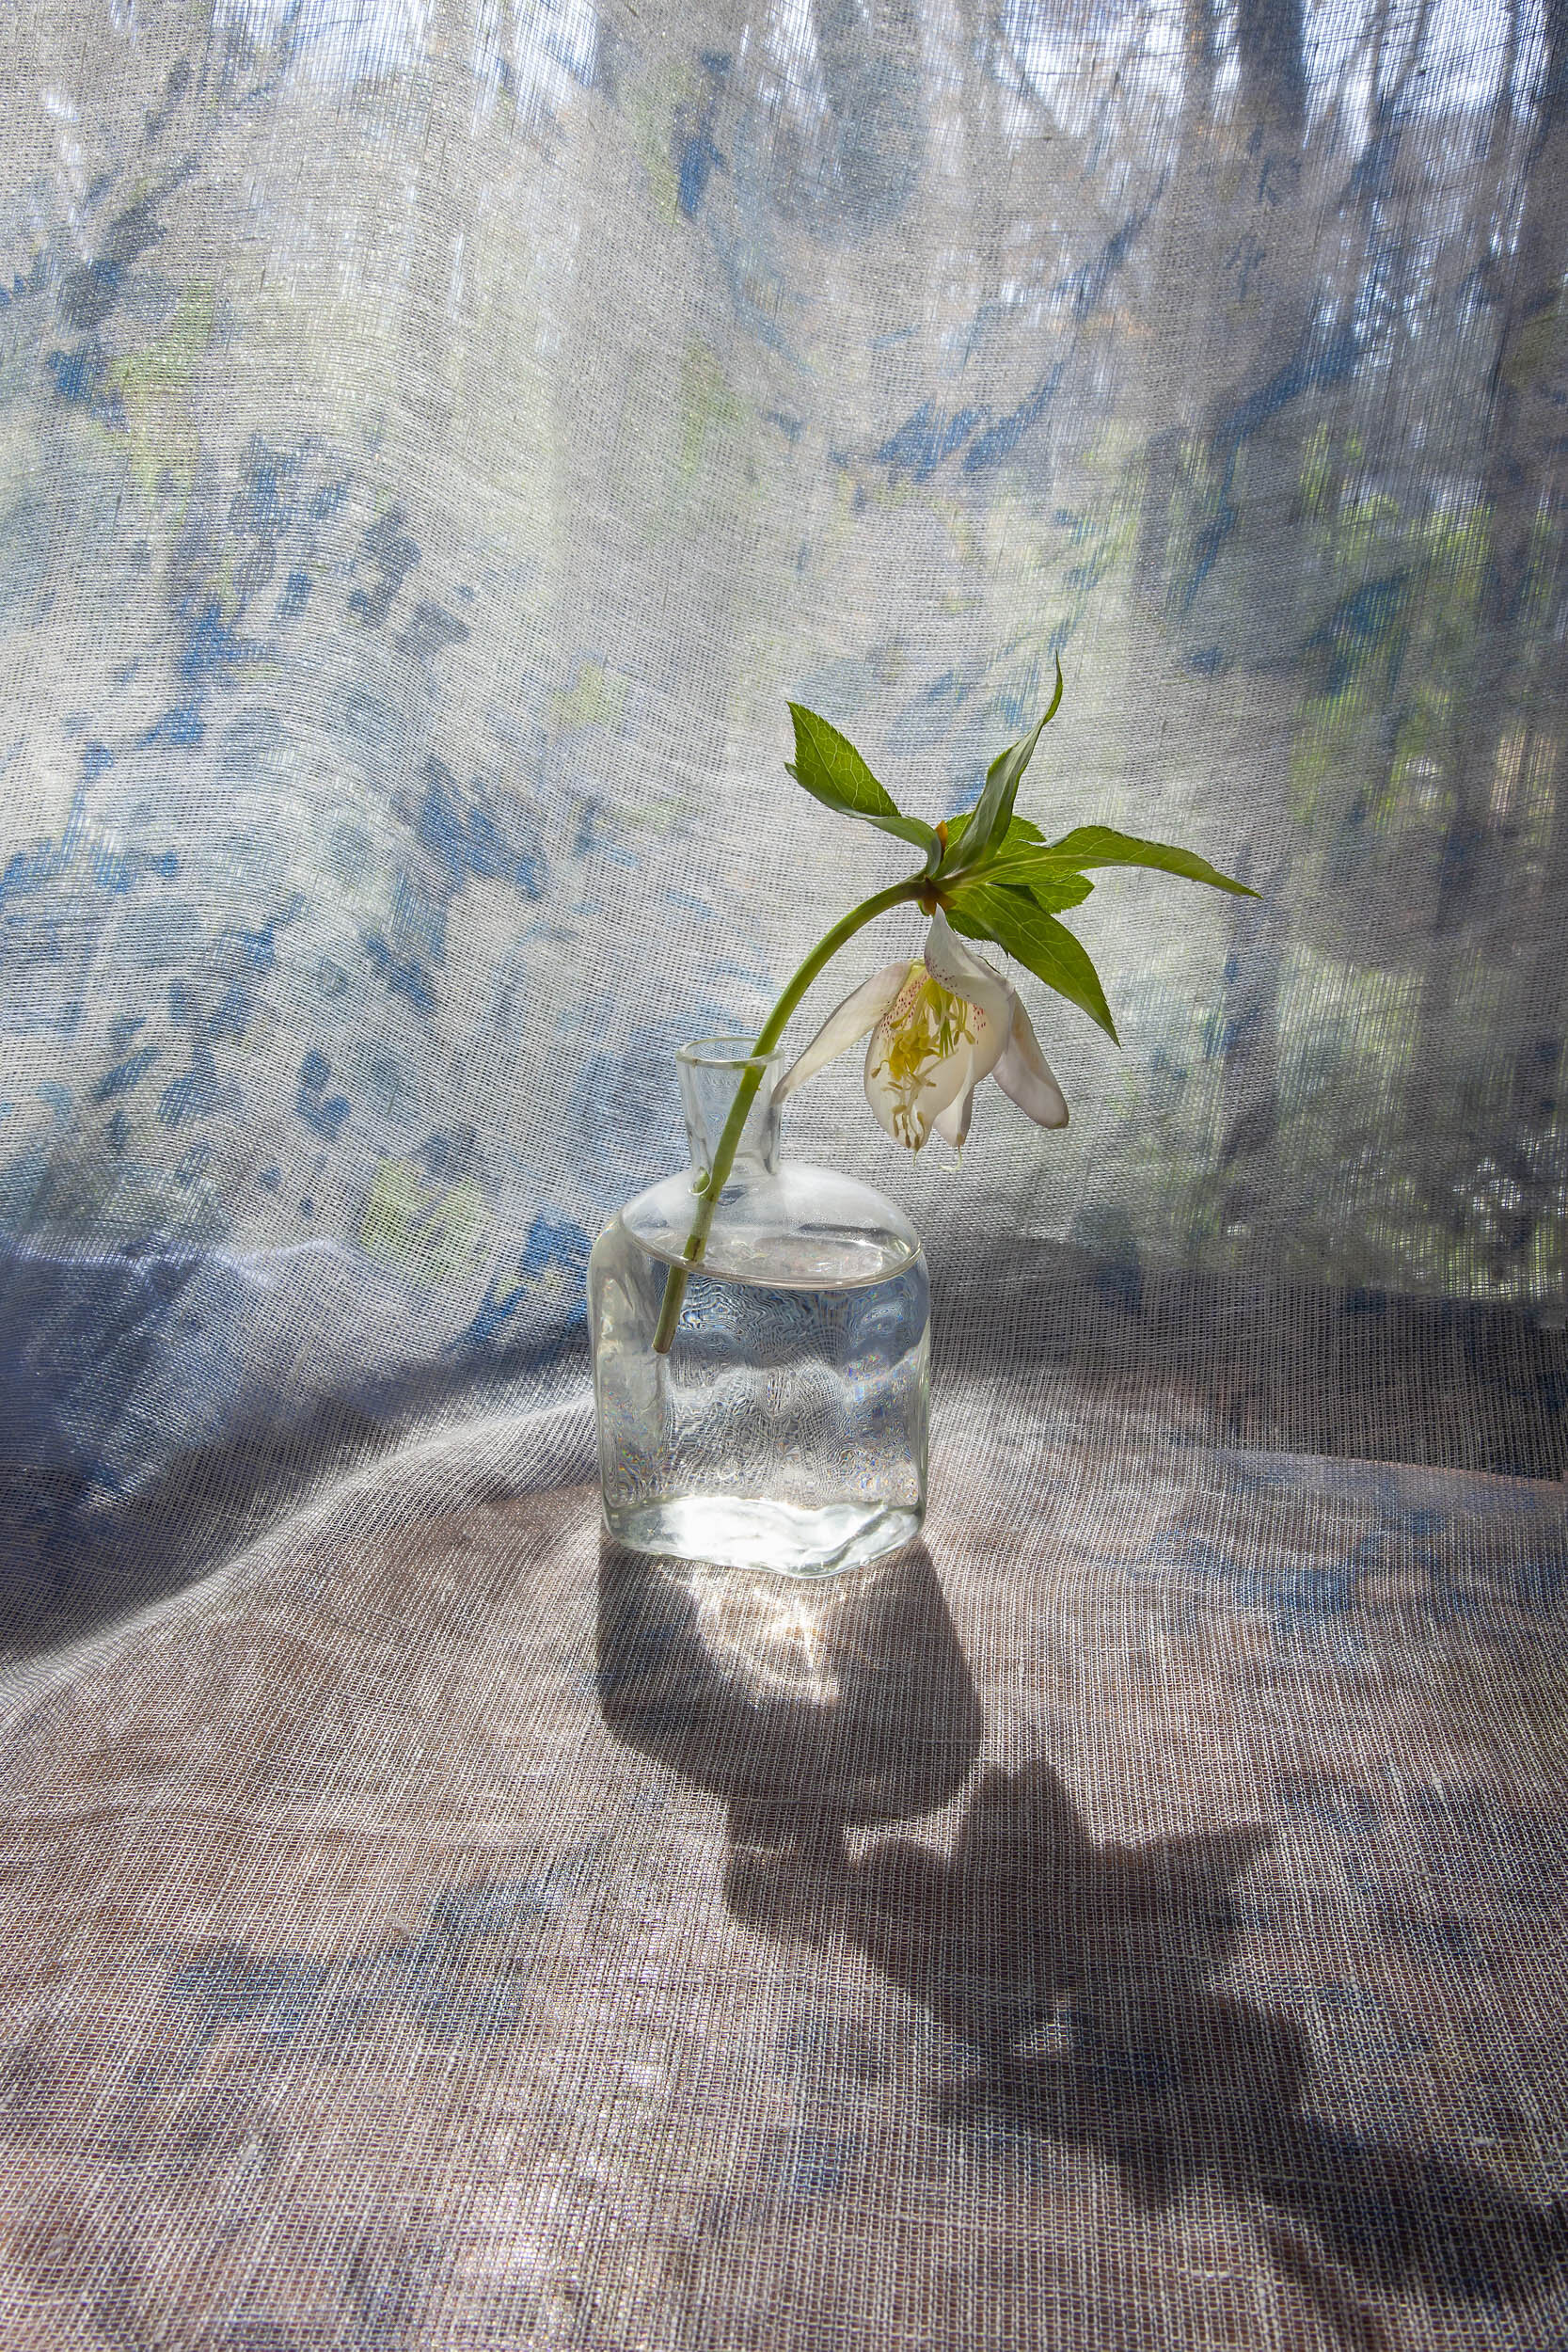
[925, 1026]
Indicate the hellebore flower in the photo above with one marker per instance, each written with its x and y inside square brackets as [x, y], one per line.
[937, 1027]
[940, 1025]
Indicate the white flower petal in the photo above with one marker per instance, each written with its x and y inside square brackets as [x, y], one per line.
[954, 965]
[1025, 1076]
[952, 1124]
[860, 1011]
[949, 960]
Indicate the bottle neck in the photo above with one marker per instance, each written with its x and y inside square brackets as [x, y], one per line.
[711, 1070]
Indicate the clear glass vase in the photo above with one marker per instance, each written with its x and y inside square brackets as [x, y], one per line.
[786, 1428]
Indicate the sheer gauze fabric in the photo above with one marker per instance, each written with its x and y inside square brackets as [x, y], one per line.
[440, 437]
[439, 440]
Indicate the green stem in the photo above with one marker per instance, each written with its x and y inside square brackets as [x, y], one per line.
[745, 1092]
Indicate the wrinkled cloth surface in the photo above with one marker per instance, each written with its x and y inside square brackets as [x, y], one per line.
[1131, 1916]
[436, 437]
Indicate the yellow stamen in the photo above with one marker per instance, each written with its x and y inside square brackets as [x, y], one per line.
[922, 1029]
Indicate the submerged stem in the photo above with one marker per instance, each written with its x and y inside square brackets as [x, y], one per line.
[773, 1028]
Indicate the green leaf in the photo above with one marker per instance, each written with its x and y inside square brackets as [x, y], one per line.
[987, 823]
[1035, 872]
[827, 766]
[1101, 845]
[1037, 939]
[1020, 832]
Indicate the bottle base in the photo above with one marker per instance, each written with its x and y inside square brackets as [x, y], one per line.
[736, 1531]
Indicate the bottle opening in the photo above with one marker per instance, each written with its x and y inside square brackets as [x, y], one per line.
[711, 1071]
[723, 1052]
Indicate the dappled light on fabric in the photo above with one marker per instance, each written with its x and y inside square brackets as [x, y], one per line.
[442, 440]
[444, 437]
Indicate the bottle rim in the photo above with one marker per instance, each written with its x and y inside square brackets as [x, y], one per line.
[725, 1052]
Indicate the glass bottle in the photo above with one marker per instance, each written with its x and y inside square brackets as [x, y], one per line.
[786, 1426]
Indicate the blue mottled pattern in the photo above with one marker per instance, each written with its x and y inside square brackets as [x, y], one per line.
[434, 443]
[437, 445]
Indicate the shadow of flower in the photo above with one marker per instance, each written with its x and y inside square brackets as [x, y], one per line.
[1075, 1978]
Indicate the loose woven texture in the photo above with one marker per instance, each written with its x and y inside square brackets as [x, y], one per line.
[436, 443]
[1131, 1918]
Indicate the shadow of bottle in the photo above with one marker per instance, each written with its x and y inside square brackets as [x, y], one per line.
[805, 1709]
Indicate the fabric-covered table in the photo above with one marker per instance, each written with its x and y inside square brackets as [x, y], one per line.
[1130, 1917]
[437, 443]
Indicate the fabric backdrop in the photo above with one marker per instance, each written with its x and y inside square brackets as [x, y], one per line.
[436, 437]
[439, 437]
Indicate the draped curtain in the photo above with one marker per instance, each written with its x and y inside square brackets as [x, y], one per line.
[439, 439]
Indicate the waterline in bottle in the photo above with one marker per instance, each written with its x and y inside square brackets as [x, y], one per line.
[786, 1428]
